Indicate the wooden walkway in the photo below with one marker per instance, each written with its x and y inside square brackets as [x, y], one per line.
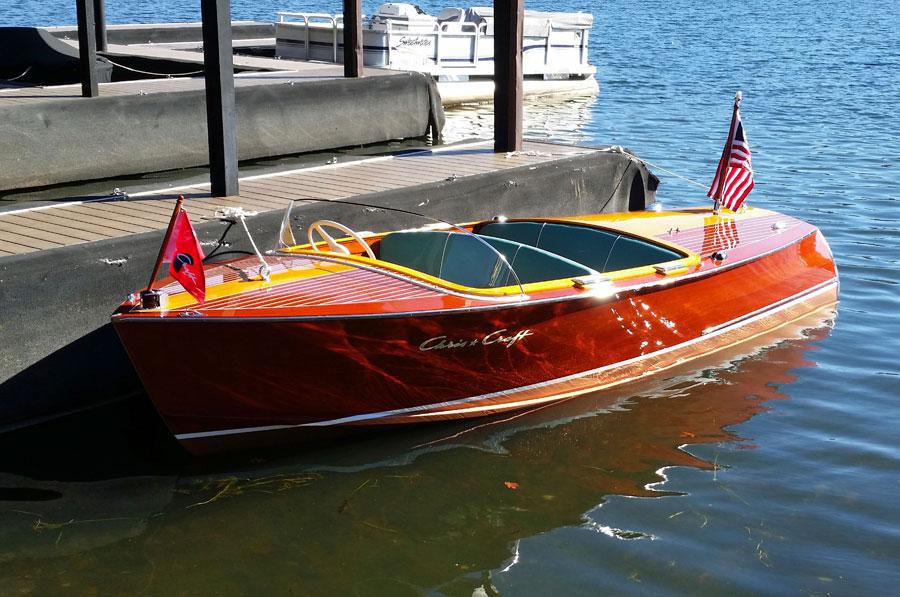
[70, 223]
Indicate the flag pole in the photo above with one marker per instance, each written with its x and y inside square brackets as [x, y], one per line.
[165, 243]
[726, 153]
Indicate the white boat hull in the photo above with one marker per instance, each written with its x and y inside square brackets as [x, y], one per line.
[459, 54]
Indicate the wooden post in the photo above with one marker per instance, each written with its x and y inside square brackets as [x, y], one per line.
[509, 16]
[100, 24]
[353, 38]
[87, 48]
[219, 66]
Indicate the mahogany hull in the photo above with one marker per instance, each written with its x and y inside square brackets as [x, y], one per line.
[241, 381]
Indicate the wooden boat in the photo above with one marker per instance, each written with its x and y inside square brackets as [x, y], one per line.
[432, 324]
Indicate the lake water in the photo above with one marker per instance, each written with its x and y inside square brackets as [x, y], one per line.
[776, 472]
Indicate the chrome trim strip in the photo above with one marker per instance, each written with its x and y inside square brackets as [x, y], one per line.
[419, 410]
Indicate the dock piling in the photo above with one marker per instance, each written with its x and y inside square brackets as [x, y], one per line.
[353, 38]
[509, 17]
[87, 48]
[219, 66]
[100, 24]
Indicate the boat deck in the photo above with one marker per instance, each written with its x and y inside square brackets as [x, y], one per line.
[76, 221]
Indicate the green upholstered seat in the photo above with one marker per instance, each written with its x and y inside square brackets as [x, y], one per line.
[633, 252]
[463, 259]
[526, 233]
[600, 250]
[578, 243]
[421, 251]
[535, 265]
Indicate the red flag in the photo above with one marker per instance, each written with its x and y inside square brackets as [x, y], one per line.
[185, 257]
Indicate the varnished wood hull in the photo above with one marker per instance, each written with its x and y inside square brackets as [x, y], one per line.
[227, 382]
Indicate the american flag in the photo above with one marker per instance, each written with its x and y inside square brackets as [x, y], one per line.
[738, 170]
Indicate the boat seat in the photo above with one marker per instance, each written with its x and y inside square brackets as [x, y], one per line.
[464, 260]
[601, 250]
[449, 15]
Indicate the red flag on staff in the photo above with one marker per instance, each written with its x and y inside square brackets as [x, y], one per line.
[185, 257]
[182, 250]
[734, 176]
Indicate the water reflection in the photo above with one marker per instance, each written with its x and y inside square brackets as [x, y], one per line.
[437, 507]
[556, 119]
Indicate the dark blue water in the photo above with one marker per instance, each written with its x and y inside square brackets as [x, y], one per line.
[774, 473]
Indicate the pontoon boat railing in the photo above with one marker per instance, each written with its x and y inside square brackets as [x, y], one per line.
[306, 18]
[440, 34]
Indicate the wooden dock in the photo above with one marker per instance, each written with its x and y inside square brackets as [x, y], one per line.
[267, 71]
[73, 222]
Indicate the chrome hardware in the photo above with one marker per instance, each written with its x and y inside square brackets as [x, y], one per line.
[719, 256]
[153, 299]
[665, 269]
[590, 281]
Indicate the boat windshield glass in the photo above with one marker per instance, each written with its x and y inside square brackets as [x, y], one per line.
[414, 241]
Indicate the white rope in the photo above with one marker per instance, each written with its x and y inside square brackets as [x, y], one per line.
[144, 72]
[25, 72]
[622, 150]
[676, 175]
[264, 270]
[238, 213]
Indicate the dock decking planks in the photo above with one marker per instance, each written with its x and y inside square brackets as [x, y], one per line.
[273, 72]
[69, 223]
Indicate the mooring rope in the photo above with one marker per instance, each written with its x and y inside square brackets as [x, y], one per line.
[230, 214]
[25, 72]
[622, 150]
[144, 72]
[675, 174]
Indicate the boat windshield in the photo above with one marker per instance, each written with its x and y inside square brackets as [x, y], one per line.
[439, 249]
[485, 255]
[599, 249]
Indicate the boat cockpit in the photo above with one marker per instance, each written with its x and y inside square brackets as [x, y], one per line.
[498, 254]
[535, 252]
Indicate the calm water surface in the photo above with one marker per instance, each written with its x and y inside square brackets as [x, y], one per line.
[771, 472]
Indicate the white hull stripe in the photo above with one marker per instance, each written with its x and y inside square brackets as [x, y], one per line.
[418, 411]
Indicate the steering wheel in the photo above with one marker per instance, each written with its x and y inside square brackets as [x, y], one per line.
[333, 245]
